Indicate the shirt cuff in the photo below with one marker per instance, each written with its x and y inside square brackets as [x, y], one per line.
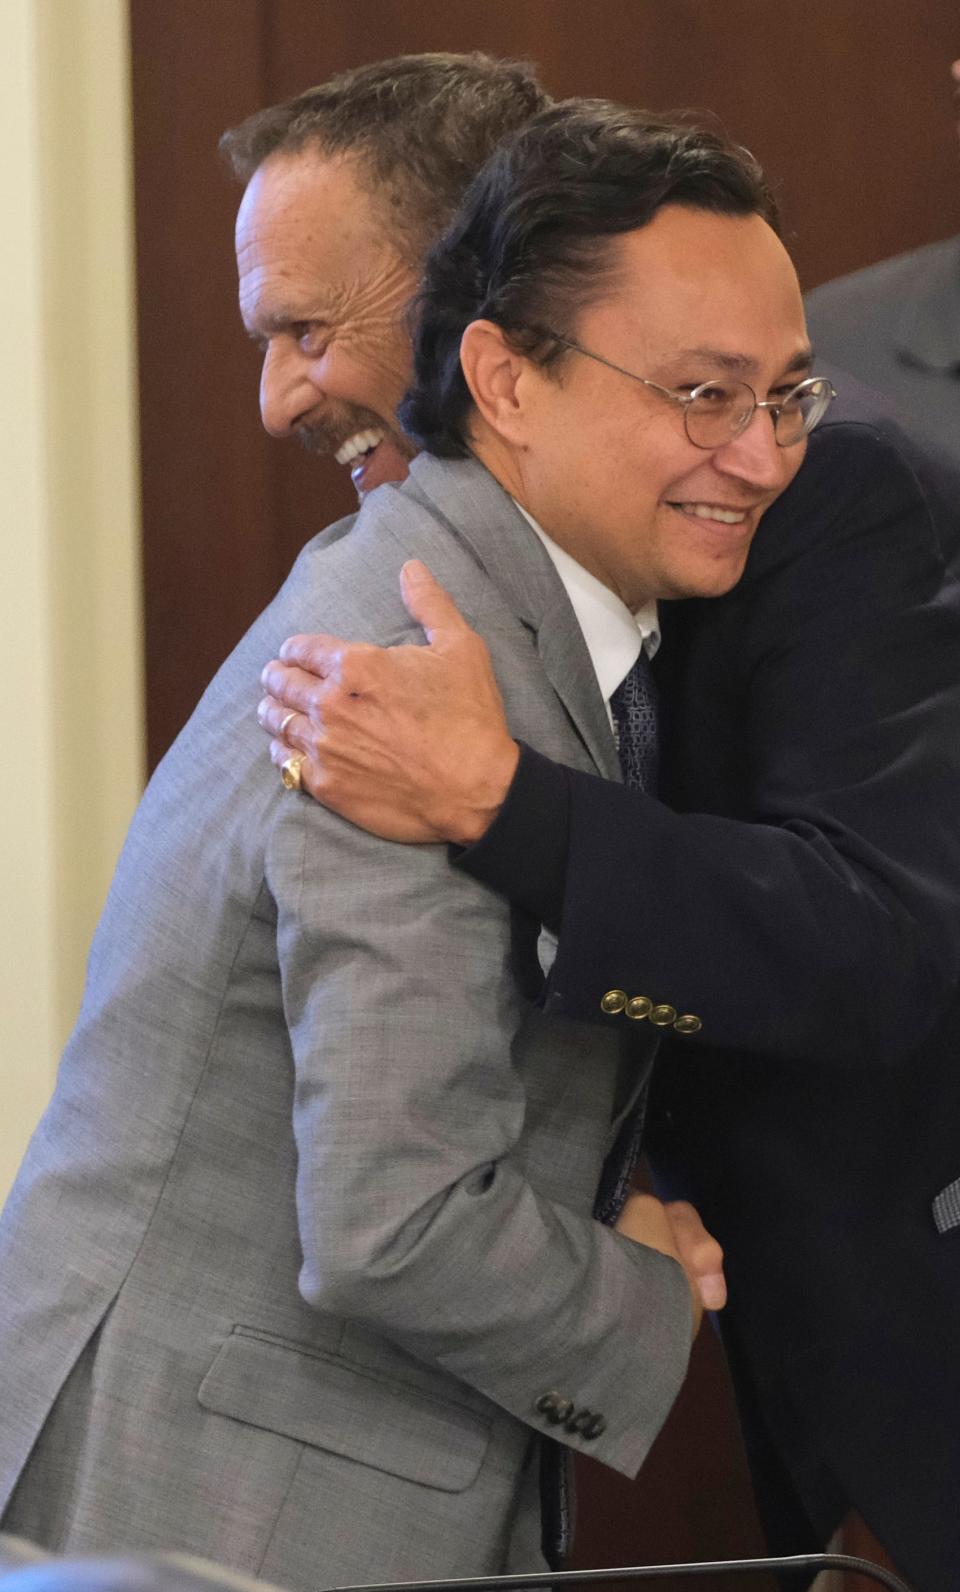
[523, 854]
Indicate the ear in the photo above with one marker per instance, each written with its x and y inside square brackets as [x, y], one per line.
[495, 374]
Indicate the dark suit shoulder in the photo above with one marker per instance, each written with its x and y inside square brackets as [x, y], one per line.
[864, 479]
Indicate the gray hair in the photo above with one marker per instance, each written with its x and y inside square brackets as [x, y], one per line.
[419, 126]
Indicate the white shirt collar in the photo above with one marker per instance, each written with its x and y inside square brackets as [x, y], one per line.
[613, 634]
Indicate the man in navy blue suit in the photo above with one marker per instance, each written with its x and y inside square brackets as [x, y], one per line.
[795, 893]
[786, 910]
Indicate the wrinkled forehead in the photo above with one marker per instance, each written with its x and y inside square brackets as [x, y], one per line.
[309, 200]
[312, 244]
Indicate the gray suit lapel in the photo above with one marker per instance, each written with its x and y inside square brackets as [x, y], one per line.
[477, 511]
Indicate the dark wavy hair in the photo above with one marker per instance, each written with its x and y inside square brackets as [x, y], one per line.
[526, 249]
[421, 126]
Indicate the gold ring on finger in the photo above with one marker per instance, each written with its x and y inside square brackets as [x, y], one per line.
[290, 773]
[285, 721]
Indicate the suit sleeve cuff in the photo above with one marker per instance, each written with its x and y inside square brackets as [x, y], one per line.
[523, 854]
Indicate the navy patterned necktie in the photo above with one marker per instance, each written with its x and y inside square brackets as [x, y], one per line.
[634, 708]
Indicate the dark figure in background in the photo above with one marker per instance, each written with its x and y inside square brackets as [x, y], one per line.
[896, 326]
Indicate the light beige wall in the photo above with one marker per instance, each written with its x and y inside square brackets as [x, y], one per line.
[71, 717]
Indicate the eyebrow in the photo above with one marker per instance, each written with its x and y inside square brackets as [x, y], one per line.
[741, 364]
[280, 320]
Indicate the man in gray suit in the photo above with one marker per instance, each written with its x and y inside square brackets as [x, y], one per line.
[896, 326]
[302, 1267]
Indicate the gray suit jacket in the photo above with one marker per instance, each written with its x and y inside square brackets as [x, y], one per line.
[306, 1230]
[896, 326]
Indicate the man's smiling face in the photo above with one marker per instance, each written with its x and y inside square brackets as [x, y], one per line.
[323, 291]
[606, 466]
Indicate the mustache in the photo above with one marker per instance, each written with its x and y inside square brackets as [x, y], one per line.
[325, 433]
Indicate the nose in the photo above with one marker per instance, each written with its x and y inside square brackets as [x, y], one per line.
[755, 458]
[288, 392]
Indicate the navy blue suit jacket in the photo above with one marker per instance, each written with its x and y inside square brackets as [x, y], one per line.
[797, 888]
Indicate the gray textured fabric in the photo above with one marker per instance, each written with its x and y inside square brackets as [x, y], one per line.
[896, 326]
[306, 1229]
[946, 1207]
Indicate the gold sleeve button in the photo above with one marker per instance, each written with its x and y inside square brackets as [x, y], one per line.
[688, 1024]
[663, 1016]
[638, 1007]
[613, 1002]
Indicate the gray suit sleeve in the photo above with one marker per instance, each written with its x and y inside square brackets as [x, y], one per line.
[416, 1214]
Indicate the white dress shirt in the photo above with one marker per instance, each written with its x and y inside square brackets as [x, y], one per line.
[613, 634]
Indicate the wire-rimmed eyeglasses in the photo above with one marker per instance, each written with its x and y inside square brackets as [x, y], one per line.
[718, 411]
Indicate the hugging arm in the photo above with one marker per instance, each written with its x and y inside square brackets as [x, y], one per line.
[425, 1212]
[809, 896]
[798, 890]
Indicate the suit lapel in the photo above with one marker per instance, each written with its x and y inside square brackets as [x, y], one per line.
[478, 512]
[565, 659]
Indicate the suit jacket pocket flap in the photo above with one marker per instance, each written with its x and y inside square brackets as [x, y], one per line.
[322, 1399]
